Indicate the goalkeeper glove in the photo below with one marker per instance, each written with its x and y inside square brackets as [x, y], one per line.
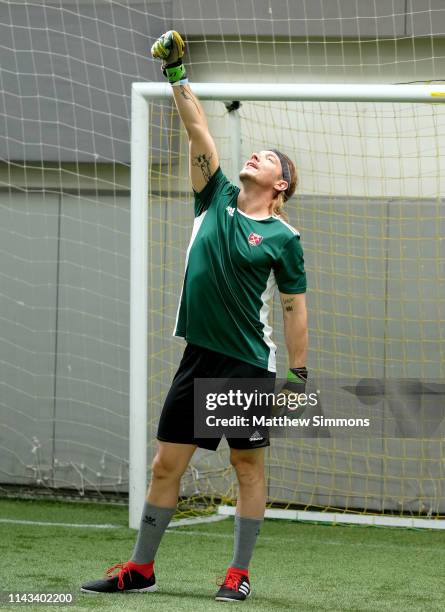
[170, 48]
[294, 386]
[297, 379]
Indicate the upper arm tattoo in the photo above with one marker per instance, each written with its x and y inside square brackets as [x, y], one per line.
[203, 162]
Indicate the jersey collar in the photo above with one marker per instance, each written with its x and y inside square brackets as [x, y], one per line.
[254, 218]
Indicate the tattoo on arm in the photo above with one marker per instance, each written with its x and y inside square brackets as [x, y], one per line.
[287, 304]
[203, 162]
[187, 95]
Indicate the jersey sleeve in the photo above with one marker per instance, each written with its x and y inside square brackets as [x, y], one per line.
[204, 198]
[289, 267]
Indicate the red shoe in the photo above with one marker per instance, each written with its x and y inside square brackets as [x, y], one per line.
[236, 586]
[131, 578]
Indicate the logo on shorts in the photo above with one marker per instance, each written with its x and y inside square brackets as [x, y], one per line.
[254, 239]
[256, 437]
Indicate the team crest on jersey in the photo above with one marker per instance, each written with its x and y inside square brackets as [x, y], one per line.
[254, 239]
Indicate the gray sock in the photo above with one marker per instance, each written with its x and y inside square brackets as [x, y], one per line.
[246, 533]
[153, 524]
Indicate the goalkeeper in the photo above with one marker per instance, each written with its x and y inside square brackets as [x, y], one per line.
[241, 249]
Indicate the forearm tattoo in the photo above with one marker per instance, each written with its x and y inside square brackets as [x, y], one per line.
[203, 161]
[187, 95]
[287, 303]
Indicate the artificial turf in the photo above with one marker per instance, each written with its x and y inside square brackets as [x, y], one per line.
[296, 566]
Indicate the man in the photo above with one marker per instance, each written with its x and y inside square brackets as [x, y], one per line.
[240, 249]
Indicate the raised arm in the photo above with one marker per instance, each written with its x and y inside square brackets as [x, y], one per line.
[203, 160]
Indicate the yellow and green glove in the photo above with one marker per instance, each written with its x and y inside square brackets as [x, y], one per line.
[170, 49]
[295, 385]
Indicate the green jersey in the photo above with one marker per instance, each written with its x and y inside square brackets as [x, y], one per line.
[233, 264]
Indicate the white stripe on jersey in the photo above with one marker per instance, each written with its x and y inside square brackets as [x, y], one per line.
[264, 315]
[292, 229]
[196, 225]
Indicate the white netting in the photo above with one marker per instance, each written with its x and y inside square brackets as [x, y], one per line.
[369, 210]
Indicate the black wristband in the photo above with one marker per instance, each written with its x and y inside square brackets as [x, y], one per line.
[174, 72]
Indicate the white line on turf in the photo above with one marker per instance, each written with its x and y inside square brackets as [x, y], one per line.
[197, 520]
[209, 534]
[403, 546]
[50, 524]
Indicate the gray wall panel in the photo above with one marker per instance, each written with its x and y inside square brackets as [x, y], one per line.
[28, 266]
[67, 67]
[384, 251]
[68, 80]
[93, 357]
[346, 276]
[324, 473]
[416, 281]
[317, 18]
[425, 18]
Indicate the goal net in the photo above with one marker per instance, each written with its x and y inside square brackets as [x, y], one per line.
[370, 211]
[369, 208]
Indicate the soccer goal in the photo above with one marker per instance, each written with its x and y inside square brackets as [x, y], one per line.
[370, 212]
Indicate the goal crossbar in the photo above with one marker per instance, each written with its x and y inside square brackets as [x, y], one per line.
[323, 92]
[142, 94]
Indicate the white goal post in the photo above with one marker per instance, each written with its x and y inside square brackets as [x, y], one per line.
[142, 94]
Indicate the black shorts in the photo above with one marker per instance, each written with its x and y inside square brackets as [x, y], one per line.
[177, 416]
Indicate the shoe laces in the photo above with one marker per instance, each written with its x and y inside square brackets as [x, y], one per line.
[124, 569]
[232, 579]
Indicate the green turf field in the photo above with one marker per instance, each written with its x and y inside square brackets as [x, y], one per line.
[296, 566]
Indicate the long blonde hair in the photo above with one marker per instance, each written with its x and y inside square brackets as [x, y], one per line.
[283, 196]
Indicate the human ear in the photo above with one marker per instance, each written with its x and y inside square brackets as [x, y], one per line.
[282, 185]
